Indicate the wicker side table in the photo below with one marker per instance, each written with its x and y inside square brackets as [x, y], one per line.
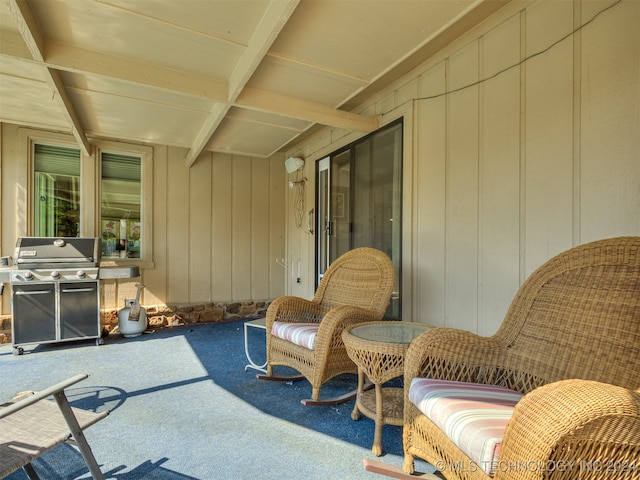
[378, 349]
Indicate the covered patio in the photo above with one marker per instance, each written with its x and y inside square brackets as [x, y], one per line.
[182, 406]
[518, 139]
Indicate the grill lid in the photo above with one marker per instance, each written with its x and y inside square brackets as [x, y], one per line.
[38, 252]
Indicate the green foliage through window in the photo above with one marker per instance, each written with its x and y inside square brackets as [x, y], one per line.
[56, 191]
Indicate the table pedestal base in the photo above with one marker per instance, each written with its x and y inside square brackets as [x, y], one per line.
[382, 405]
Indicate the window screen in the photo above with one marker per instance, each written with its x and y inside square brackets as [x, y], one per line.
[56, 191]
[120, 205]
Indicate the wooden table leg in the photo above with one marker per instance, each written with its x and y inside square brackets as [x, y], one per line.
[355, 415]
[379, 421]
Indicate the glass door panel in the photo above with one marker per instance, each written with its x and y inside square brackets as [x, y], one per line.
[359, 203]
[377, 200]
[339, 211]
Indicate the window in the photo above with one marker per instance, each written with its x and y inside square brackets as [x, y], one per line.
[121, 205]
[69, 193]
[56, 187]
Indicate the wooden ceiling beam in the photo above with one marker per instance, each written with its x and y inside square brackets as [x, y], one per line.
[77, 60]
[274, 19]
[255, 99]
[83, 61]
[56, 57]
[276, 16]
[210, 125]
[28, 27]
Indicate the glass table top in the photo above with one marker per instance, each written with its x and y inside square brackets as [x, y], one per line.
[391, 332]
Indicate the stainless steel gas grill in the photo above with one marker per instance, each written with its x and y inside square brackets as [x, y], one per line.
[56, 294]
[56, 291]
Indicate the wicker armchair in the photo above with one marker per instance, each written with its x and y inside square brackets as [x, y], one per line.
[355, 288]
[570, 342]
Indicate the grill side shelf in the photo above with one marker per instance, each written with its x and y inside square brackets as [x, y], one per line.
[110, 273]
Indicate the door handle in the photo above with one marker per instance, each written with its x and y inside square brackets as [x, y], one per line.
[309, 221]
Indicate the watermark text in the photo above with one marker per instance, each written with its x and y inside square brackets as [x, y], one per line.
[619, 466]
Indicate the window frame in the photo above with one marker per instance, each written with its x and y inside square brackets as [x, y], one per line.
[90, 195]
[34, 176]
[28, 139]
[146, 194]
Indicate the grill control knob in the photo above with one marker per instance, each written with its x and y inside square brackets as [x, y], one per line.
[55, 274]
[81, 274]
[28, 275]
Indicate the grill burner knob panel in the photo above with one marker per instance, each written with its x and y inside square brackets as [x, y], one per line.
[55, 274]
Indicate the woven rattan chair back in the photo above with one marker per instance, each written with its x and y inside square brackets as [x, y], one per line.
[578, 316]
[363, 277]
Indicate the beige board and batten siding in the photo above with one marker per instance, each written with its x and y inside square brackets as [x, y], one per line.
[218, 226]
[510, 171]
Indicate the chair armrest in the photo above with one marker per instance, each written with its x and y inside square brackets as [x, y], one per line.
[451, 354]
[292, 309]
[335, 321]
[584, 427]
[36, 397]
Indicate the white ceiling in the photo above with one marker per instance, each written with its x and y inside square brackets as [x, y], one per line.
[247, 77]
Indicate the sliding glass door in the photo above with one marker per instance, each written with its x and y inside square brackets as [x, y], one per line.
[359, 202]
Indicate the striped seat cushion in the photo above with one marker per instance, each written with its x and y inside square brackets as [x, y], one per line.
[472, 415]
[303, 334]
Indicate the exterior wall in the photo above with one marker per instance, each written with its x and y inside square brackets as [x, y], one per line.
[504, 174]
[499, 176]
[217, 227]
